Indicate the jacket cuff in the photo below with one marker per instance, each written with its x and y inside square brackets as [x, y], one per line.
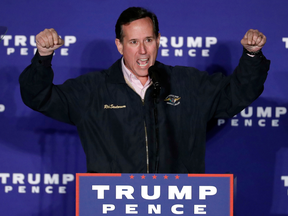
[258, 57]
[42, 60]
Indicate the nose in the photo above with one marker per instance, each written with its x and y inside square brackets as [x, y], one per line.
[142, 48]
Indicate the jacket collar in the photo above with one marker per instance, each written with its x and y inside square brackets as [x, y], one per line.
[115, 74]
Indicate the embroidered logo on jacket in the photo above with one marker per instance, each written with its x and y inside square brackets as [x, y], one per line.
[173, 100]
[112, 106]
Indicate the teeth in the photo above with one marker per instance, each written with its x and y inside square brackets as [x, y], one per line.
[141, 61]
[142, 64]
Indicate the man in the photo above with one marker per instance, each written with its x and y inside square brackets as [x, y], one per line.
[122, 127]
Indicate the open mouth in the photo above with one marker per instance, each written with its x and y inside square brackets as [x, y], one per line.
[142, 62]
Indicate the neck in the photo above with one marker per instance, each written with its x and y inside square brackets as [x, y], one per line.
[143, 80]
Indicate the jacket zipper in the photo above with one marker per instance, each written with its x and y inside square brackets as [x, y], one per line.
[147, 154]
[146, 141]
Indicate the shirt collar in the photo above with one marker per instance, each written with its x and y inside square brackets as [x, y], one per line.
[130, 76]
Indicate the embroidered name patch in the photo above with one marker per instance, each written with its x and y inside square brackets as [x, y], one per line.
[112, 106]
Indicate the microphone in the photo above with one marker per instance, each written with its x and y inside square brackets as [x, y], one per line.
[154, 74]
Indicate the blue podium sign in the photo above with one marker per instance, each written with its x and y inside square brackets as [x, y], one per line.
[154, 194]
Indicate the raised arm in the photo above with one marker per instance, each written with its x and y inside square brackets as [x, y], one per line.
[36, 83]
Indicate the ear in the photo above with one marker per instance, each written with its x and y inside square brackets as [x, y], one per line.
[119, 46]
[158, 40]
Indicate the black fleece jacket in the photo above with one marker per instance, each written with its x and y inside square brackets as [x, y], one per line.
[117, 127]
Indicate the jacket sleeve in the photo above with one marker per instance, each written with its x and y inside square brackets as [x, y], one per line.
[40, 94]
[234, 93]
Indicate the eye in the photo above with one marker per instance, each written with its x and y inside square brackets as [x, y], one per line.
[149, 40]
[133, 42]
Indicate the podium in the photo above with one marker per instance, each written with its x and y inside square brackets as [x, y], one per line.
[154, 194]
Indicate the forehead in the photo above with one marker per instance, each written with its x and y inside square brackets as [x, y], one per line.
[140, 28]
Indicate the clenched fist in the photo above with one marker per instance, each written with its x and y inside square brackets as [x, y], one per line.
[253, 40]
[47, 41]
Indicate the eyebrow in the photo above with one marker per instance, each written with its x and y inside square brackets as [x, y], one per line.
[149, 37]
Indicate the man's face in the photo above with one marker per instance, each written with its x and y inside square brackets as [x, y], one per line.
[139, 47]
